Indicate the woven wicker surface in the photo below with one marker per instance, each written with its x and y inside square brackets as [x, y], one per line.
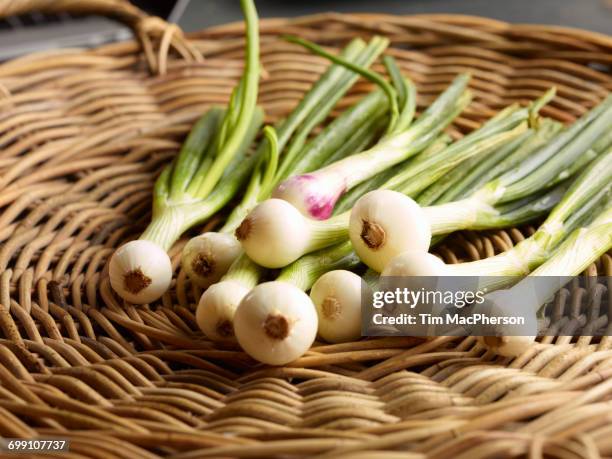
[83, 135]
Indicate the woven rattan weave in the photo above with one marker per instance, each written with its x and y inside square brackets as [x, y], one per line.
[83, 135]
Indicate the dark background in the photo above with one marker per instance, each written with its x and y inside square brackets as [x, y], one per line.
[35, 32]
[587, 14]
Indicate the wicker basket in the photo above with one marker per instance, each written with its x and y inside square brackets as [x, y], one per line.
[83, 135]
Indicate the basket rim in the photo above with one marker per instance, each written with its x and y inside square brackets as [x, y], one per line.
[450, 19]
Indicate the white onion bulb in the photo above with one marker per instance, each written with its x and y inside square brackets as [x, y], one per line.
[337, 298]
[385, 223]
[274, 234]
[519, 301]
[275, 323]
[207, 257]
[216, 309]
[140, 271]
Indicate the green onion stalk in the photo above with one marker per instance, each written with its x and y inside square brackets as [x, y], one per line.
[197, 184]
[276, 233]
[584, 197]
[315, 194]
[381, 227]
[347, 200]
[475, 173]
[207, 257]
[528, 297]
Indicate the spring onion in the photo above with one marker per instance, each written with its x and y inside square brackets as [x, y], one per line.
[205, 258]
[585, 245]
[236, 125]
[275, 325]
[217, 305]
[140, 271]
[337, 297]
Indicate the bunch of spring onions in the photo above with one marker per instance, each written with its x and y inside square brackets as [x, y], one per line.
[227, 286]
[588, 193]
[207, 257]
[513, 169]
[346, 301]
[239, 300]
[374, 188]
[378, 234]
[336, 293]
[219, 305]
[339, 139]
[211, 167]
